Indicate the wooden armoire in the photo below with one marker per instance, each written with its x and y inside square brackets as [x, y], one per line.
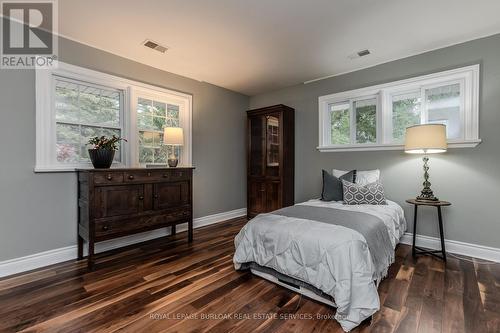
[271, 149]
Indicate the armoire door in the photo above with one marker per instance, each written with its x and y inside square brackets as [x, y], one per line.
[256, 197]
[256, 146]
[118, 200]
[273, 196]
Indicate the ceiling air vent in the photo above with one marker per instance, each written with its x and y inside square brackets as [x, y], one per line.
[359, 54]
[154, 46]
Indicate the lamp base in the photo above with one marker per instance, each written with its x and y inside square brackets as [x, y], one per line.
[425, 198]
[172, 162]
[426, 194]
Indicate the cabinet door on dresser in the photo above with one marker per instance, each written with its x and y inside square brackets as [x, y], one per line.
[171, 194]
[118, 200]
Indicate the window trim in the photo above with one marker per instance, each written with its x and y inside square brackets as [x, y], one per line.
[469, 75]
[45, 114]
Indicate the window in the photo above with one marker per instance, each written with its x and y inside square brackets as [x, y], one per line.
[83, 111]
[152, 117]
[75, 104]
[376, 118]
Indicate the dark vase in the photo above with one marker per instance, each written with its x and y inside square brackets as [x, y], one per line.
[101, 158]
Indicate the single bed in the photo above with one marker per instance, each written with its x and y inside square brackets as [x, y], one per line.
[331, 252]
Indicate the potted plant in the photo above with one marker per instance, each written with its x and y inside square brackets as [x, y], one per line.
[103, 150]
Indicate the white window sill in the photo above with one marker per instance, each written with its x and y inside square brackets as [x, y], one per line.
[389, 146]
[70, 168]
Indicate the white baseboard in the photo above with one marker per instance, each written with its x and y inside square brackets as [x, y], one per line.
[46, 258]
[453, 246]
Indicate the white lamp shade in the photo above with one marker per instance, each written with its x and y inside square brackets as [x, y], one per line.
[426, 139]
[173, 136]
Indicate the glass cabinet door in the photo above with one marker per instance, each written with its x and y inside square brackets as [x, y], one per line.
[272, 145]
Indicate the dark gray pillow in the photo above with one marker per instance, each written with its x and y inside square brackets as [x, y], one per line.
[370, 194]
[332, 186]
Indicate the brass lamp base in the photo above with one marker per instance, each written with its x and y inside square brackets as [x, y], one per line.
[426, 194]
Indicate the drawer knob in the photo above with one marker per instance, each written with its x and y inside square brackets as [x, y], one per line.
[109, 177]
[165, 175]
[131, 177]
[156, 196]
[149, 174]
[105, 228]
[141, 197]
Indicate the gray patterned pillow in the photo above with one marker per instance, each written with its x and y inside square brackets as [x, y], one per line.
[370, 194]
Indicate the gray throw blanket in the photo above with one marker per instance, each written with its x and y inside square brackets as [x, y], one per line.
[371, 227]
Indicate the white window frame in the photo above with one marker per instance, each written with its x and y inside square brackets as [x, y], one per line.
[45, 115]
[468, 77]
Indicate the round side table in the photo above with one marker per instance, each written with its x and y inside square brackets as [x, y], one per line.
[438, 204]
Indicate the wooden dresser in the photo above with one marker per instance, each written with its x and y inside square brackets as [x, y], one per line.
[271, 155]
[114, 203]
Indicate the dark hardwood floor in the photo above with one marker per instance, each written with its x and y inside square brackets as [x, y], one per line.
[175, 287]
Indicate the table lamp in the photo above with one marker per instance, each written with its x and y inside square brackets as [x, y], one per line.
[426, 139]
[173, 136]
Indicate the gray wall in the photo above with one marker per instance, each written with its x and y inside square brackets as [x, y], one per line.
[38, 211]
[468, 177]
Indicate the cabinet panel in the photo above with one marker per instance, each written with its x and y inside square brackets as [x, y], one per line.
[118, 200]
[256, 197]
[273, 198]
[256, 147]
[171, 194]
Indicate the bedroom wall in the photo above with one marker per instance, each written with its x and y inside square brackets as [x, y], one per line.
[467, 177]
[38, 210]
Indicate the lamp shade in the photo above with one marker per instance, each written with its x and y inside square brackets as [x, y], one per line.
[426, 139]
[173, 136]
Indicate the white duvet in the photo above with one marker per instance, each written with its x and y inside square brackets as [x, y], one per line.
[332, 258]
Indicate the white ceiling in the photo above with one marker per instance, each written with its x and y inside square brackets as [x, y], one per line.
[254, 46]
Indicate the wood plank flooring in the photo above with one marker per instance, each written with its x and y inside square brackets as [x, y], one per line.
[168, 285]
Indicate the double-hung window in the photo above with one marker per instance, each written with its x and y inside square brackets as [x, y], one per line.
[82, 111]
[376, 118]
[75, 104]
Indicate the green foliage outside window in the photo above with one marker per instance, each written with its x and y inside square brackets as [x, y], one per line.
[366, 124]
[405, 113]
[340, 127]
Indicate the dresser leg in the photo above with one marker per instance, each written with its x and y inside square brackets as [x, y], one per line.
[441, 232]
[190, 230]
[90, 259]
[80, 247]
[413, 252]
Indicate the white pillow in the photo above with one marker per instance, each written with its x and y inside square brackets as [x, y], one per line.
[362, 177]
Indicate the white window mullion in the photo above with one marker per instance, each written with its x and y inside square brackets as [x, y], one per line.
[386, 111]
[424, 115]
[352, 121]
[380, 117]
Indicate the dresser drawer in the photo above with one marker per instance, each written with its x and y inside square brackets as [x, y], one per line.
[117, 227]
[108, 178]
[155, 175]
